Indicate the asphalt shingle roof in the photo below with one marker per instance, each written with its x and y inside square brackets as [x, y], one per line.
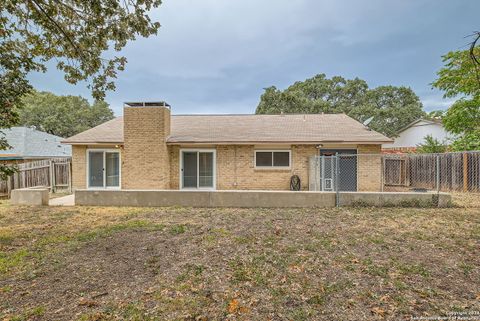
[217, 129]
[28, 142]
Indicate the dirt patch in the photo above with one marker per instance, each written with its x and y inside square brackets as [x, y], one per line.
[240, 264]
[120, 267]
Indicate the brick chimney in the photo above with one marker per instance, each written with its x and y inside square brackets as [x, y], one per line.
[145, 159]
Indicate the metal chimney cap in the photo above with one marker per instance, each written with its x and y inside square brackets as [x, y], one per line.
[147, 104]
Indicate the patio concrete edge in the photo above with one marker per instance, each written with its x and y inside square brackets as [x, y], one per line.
[253, 199]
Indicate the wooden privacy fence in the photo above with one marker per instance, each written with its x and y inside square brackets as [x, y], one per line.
[52, 173]
[443, 172]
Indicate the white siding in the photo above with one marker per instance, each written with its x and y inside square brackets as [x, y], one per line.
[414, 135]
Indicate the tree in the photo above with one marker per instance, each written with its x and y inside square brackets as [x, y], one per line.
[315, 95]
[77, 34]
[63, 116]
[431, 145]
[458, 79]
[391, 107]
[436, 114]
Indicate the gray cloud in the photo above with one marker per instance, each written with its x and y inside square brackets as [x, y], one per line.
[214, 56]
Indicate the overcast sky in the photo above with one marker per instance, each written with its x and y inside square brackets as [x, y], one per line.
[216, 56]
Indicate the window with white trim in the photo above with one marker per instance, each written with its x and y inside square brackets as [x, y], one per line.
[103, 168]
[272, 158]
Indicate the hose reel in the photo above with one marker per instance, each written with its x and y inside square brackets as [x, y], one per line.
[295, 183]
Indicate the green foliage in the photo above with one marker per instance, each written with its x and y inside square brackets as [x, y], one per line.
[178, 229]
[468, 141]
[463, 116]
[315, 95]
[7, 170]
[74, 33]
[13, 85]
[458, 78]
[63, 116]
[436, 114]
[431, 145]
[392, 107]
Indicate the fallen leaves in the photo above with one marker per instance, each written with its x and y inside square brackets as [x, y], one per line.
[378, 311]
[296, 268]
[87, 302]
[277, 231]
[267, 264]
[97, 316]
[235, 307]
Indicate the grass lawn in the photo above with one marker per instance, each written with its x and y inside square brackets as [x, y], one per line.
[86, 263]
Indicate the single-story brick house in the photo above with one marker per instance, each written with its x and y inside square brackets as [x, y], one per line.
[148, 148]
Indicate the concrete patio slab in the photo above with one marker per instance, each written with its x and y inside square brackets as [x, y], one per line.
[68, 200]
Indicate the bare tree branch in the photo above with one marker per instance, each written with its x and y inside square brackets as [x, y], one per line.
[474, 58]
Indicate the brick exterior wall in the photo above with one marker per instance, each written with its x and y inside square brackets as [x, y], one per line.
[174, 152]
[146, 161]
[236, 169]
[369, 168]
[79, 167]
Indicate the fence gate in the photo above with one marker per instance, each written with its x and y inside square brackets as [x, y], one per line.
[322, 173]
[53, 173]
[327, 173]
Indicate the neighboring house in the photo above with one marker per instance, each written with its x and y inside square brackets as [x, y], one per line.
[414, 134]
[148, 148]
[29, 144]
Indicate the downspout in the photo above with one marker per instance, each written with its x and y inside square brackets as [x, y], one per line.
[235, 184]
[337, 178]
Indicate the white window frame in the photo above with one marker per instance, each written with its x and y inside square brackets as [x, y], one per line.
[272, 151]
[104, 150]
[180, 168]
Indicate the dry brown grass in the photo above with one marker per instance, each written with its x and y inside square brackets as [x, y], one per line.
[471, 200]
[90, 263]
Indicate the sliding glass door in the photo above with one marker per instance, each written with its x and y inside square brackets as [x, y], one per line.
[112, 169]
[197, 169]
[103, 169]
[95, 169]
[190, 173]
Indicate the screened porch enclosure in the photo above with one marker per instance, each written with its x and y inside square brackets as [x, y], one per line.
[324, 174]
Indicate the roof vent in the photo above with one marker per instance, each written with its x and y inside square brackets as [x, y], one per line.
[147, 104]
